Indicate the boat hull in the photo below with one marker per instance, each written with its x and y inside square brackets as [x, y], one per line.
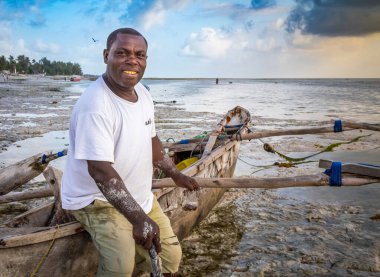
[73, 255]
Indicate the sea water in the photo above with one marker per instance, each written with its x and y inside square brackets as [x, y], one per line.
[306, 99]
[292, 99]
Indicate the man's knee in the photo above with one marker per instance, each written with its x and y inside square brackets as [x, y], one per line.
[171, 254]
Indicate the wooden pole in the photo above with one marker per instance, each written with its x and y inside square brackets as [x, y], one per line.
[59, 216]
[264, 183]
[304, 131]
[347, 125]
[361, 169]
[15, 175]
[214, 136]
[268, 183]
[360, 125]
[26, 195]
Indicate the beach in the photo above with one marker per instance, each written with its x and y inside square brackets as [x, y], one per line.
[252, 232]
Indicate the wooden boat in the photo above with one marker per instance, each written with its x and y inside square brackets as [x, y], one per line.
[28, 245]
[75, 78]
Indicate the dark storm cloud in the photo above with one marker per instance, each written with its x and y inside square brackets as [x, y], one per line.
[335, 17]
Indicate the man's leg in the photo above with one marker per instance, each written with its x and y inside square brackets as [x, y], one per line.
[171, 249]
[112, 235]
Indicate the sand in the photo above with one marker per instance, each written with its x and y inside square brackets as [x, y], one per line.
[251, 232]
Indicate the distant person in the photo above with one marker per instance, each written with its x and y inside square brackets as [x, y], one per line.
[108, 175]
[217, 81]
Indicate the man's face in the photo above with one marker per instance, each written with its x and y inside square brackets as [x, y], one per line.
[126, 60]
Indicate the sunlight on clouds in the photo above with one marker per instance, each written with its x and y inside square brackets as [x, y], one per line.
[279, 24]
[266, 45]
[298, 39]
[335, 56]
[209, 43]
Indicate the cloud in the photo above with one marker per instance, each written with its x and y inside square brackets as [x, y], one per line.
[150, 13]
[37, 21]
[335, 17]
[42, 47]
[266, 45]
[5, 36]
[262, 4]
[209, 43]
[153, 17]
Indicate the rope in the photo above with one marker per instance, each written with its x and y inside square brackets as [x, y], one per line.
[184, 141]
[338, 126]
[47, 158]
[43, 159]
[46, 254]
[267, 147]
[335, 173]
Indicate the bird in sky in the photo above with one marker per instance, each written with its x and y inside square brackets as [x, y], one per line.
[95, 40]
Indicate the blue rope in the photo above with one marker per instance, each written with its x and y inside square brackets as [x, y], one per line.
[43, 159]
[338, 126]
[335, 173]
[184, 141]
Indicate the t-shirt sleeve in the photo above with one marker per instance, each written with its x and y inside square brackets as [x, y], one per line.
[94, 138]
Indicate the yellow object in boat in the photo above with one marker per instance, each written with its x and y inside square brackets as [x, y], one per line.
[186, 163]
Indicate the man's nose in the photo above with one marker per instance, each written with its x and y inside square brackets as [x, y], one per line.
[131, 58]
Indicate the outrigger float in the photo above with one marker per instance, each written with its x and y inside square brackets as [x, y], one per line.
[46, 241]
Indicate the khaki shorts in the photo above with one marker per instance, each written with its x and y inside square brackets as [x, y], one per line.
[112, 235]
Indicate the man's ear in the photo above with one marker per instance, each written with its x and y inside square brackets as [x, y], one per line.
[105, 56]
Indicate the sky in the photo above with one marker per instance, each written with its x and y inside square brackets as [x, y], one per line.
[204, 38]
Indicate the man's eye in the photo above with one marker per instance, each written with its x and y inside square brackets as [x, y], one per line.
[120, 53]
[141, 55]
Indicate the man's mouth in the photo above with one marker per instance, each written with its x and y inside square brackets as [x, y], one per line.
[130, 72]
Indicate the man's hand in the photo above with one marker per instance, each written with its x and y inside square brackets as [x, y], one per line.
[146, 233]
[184, 181]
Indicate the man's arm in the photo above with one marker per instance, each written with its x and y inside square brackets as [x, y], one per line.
[163, 162]
[145, 230]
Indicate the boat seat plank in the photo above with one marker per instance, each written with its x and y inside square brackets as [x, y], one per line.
[7, 231]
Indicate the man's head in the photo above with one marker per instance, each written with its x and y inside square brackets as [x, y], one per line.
[112, 37]
[125, 57]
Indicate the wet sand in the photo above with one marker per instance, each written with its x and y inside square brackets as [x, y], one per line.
[252, 232]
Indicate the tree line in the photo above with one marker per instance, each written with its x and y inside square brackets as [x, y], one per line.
[24, 65]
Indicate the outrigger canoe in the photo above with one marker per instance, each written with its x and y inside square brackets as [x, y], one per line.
[29, 247]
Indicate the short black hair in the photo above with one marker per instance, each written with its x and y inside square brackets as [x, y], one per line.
[112, 37]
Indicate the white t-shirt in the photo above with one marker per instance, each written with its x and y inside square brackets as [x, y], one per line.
[105, 127]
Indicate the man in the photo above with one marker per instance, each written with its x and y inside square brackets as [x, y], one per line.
[108, 176]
